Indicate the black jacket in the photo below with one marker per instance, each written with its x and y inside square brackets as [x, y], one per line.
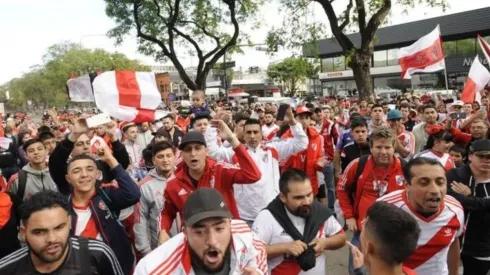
[352, 151]
[59, 159]
[8, 231]
[476, 241]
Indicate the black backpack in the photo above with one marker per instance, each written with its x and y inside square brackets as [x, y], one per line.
[21, 184]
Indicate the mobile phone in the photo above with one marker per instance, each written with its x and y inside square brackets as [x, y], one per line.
[458, 115]
[483, 108]
[97, 120]
[447, 101]
[281, 112]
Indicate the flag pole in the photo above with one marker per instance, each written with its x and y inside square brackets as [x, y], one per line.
[445, 77]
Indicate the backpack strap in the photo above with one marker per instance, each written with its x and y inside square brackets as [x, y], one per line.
[360, 167]
[21, 184]
[84, 257]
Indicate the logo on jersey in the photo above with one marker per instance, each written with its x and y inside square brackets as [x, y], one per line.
[380, 186]
[448, 232]
[399, 180]
[182, 192]
[102, 206]
[265, 158]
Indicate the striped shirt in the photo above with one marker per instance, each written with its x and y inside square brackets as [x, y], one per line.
[102, 259]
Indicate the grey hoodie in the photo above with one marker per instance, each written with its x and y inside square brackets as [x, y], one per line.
[36, 181]
[147, 212]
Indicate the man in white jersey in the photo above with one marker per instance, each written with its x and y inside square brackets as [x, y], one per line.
[211, 242]
[297, 229]
[440, 217]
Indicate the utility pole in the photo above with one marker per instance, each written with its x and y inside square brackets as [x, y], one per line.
[225, 83]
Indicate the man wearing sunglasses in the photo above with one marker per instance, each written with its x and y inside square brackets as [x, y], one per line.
[470, 185]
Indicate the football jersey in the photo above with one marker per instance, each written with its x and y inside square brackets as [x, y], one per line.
[444, 159]
[271, 232]
[85, 225]
[437, 233]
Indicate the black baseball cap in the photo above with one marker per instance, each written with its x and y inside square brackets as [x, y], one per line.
[163, 133]
[204, 203]
[192, 137]
[480, 147]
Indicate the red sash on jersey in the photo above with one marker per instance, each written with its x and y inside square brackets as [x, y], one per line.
[90, 230]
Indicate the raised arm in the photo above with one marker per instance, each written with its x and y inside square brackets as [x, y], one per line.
[299, 141]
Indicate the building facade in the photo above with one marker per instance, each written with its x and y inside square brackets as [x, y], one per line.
[458, 32]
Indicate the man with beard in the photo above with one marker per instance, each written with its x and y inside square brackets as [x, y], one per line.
[175, 132]
[144, 136]
[147, 211]
[269, 129]
[297, 229]
[50, 249]
[211, 242]
[440, 217]
[478, 130]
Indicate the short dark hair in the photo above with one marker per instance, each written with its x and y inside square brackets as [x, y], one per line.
[428, 106]
[160, 146]
[404, 105]
[42, 200]
[43, 129]
[241, 116]
[377, 105]
[269, 113]
[170, 116]
[291, 174]
[358, 122]
[80, 157]
[42, 136]
[396, 232]
[252, 121]
[458, 149]
[30, 142]
[407, 169]
[441, 135]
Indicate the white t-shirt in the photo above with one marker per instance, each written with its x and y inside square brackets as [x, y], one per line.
[83, 217]
[270, 231]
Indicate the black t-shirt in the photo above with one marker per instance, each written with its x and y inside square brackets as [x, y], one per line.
[409, 125]
[102, 260]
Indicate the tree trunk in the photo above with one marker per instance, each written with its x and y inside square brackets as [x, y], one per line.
[361, 65]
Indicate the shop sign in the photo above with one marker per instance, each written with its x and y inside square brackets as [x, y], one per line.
[469, 60]
[331, 75]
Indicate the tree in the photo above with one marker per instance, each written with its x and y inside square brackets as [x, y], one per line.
[291, 73]
[45, 85]
[165, 27]
[363, 16]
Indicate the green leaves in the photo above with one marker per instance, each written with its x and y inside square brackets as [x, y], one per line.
[292, 72]
[45, 84]
[168, 28]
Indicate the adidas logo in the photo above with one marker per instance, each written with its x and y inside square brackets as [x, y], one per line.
[182, 192]
[448, 232]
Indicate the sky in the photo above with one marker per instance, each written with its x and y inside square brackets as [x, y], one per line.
[29, 27]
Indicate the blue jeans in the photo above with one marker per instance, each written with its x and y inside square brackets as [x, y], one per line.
[355, 241]
[330, 184]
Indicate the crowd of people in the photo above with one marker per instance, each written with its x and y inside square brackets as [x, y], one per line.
[250, 188]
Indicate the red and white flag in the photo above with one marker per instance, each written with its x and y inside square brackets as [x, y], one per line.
[478, 78]
[128, 96]
[80, 89]
[423, 56]
[485, 47]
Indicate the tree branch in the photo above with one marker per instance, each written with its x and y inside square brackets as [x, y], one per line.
[342, 39]
[347, 16]
[231, 42]
[368, 33]
[361, 14]
[169, 53]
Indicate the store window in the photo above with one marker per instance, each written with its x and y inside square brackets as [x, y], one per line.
[390, 84]
[433, 81]
[380, 59]
[327, 64]
[339, 63]
[392, 57]
[478, 48]
[449, 48]
[466, 47]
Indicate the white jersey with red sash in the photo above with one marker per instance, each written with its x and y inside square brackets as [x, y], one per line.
[437, 233]
[269, 132]
[444, 159]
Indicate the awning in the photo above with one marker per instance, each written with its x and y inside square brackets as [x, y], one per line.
[212, 91]
[242, 94]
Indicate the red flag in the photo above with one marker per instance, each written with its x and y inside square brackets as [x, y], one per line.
[478, 78]
[425, 55]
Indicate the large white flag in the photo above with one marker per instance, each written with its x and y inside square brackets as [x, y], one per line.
[478, 78]
[425, 55]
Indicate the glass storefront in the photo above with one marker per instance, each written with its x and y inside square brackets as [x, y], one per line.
[327, 65]
[339, 63]
[380, 59]
[338, 87]
[391, 83]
